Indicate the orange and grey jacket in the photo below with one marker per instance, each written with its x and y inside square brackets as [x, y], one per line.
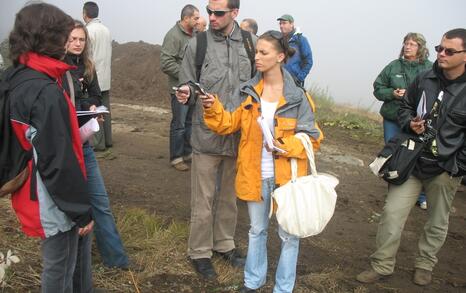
[295, 113]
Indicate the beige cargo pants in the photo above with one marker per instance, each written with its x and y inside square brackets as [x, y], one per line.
[440, 191]
[213, 205]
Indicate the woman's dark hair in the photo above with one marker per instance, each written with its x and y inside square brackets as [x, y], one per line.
[279, 42]
[88, 64]
[41, 28]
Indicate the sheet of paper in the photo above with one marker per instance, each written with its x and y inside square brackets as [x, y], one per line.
[268, 135]
[88, 129]
[98, 110]
[421, 107]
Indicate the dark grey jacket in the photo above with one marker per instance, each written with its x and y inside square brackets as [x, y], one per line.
[226, 65]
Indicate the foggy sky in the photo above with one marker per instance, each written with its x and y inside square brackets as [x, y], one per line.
[351, 40]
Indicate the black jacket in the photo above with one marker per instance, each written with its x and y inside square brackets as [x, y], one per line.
[451, 123]
[87, 92]
[41, 119]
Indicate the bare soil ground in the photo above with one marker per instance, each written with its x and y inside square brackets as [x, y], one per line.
[139, 178]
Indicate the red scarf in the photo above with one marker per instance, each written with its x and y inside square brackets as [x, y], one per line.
[56, 69]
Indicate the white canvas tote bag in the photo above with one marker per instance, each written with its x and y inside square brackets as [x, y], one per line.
[306, 204]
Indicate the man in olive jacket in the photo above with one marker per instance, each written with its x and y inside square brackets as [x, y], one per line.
[213, 200]
[438, 169]
[171, 56]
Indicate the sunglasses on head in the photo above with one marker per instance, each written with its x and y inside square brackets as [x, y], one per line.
[218, 13]
[279, 37]
[448, 51]
[274, 34]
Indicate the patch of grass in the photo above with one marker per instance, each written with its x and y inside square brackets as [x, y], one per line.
[332, 115]
[155, 243]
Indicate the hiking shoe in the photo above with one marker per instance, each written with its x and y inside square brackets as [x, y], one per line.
[233, 257]
[369, 276]
[423, 205]
[204, 267]
[179, 164]
[247, 290]
[422, 277]
[133, 266]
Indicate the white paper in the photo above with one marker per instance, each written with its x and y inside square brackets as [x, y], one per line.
[88, 129]
[98, 110]
[268, 135]
[421, 107]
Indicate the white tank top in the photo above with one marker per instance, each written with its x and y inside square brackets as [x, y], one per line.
[268, 113]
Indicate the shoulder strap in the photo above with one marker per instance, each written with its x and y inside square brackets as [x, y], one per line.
[249, 46]
[201, 49]
[69, 79]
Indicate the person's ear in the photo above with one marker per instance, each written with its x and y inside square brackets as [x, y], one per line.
[234, 13]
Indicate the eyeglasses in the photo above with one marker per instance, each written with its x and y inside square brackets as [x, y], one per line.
[448, 51]
[218, 13]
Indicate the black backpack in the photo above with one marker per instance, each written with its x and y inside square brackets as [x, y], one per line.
[13, 158]
[201, 49]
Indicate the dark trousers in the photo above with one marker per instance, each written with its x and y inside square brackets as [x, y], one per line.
[103, 138]
[66, 259]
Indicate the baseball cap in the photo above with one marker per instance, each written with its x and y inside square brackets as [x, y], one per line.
[286, 17]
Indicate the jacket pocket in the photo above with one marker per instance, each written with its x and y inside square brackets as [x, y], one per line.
[285, 127]
[398, 81]
[211, 73]
[457, 118]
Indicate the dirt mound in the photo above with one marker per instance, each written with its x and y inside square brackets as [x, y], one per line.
[136, 74]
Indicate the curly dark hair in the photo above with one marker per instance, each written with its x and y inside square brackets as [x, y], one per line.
[41, 28]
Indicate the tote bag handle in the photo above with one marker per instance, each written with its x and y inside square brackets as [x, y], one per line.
[310, 155]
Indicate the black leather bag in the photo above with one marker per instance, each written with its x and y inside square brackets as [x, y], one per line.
[399, 157]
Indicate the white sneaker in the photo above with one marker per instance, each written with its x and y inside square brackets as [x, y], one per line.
[423, 205]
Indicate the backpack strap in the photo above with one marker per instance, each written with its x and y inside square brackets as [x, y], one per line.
[201, 49]
[249, 46]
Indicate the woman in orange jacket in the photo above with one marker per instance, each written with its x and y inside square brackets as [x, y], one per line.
[273, 97]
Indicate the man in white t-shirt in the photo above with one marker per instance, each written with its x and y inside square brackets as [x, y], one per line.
[101, 54]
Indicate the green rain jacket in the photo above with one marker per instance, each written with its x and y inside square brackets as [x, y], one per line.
[397, 74]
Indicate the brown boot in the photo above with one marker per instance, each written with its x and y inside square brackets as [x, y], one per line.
[422, 277]
[369, 276]
[179, 164]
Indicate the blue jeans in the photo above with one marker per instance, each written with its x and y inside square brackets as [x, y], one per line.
[66, 260]
[180, 129]
[255, 270]
[108, 240]
[390, 129]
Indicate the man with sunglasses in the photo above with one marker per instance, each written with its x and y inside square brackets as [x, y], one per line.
[438, 169]
[213, 200]
[300, 64]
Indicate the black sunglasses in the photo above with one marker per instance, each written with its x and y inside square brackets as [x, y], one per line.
[448, 51]
[274, 34]
[218, 13]
[279, 37]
